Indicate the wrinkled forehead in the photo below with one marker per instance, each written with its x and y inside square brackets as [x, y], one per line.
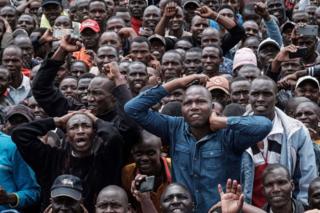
[197, 91]
[173, 190]
[112, 197]
[78, 119]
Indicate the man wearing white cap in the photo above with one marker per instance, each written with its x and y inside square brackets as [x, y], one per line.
[308, 87]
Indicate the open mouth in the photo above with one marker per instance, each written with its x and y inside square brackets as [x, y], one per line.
[81, 142]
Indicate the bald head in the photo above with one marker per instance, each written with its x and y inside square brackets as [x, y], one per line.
[151, 8]
[198, 88]
[13, 48]
[102, 82]
[112, 198]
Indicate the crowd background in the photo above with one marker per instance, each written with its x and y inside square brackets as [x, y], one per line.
[159, 106]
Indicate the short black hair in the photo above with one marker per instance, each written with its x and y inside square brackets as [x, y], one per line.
[272, 167]
[217, 47]
[86, 75]
[194, 49]
[102, 1]
[266, 78]
[80, 61]
[140, 39]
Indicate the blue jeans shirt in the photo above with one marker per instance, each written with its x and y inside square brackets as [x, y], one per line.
[199, 165]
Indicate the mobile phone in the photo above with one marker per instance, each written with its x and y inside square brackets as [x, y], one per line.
[60, 33]
[308, 30]
[302, 51]
[147, 184]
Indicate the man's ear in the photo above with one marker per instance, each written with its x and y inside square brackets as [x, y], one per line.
[292, 185]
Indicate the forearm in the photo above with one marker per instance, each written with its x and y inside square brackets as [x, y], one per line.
[248, 130]
[138, 109]
[276, 65]
[247, 208]
[273, 30]
[232, 38]
[59, 55]
[21, 8]
[178, 83]
[161, 26]
[226, 22]
[147, 206]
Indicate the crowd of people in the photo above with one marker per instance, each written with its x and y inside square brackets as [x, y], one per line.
[149, 106]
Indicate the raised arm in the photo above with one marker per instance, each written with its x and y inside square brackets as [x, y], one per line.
[169, 11]
[47, 95]
[245, 131]
[235, 31]
[272, 27]
[139, 107]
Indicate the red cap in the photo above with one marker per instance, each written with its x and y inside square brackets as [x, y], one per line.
[90, 23]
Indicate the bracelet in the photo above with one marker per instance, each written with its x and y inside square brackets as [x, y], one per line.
[310, 71]
[218, 16]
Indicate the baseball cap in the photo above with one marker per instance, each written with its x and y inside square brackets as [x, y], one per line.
[67, 185]
[45, 2]
[90, 23]
[218, 82]
[19, 110]
[157, 37]
[286, 25]
[267, 42]
[244, 56]
[185, 2]
[307, 78]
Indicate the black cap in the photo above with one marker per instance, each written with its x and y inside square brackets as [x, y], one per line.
[68, 186]
[45, 2]
[19, 110]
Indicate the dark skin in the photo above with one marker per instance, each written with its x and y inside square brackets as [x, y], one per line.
[65, 204]
[176, 197]
[52, 11]
[4, 80]
[192, 62]
[78, 68]
[211, 60]
[10, 14]
[277, 190]
[90, 39]
[27, 50]
[100, 99]
[140, 51]
[171, 66]
[262, 97]
[137, 77]
[136, 8]
[98, 12]
[12, 60]
[112, 199]
[147, 156]
[26, 22]
[82, 10]
[314, 194]
[239, 92]
[197, 106]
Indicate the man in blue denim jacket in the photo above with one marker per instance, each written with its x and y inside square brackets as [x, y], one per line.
[205, 149]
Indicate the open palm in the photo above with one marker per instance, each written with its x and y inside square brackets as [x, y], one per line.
[232, 200]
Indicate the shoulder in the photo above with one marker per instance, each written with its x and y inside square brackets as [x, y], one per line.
[6, 143]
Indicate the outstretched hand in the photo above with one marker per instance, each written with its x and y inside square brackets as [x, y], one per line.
[232, 200]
